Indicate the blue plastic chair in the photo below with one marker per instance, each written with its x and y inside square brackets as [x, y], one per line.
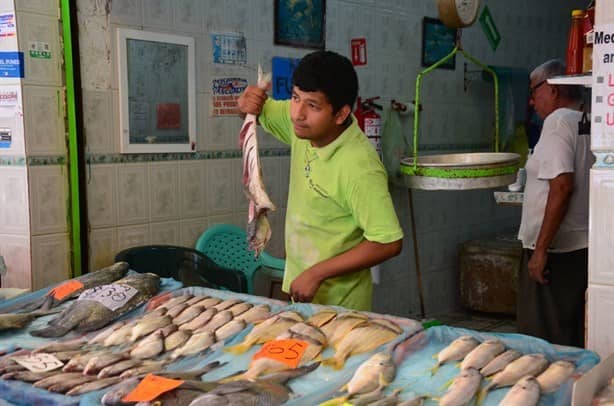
[226, 245]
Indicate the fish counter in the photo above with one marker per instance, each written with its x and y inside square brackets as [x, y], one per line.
[119, 337]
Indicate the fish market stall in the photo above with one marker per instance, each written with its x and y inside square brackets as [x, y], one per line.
[219, 345]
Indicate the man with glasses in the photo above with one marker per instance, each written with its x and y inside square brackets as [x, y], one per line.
[554, 226]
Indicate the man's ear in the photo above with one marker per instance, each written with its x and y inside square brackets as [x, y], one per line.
[342, 114]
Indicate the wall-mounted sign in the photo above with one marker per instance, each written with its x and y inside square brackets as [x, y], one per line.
[39, 49]
[603, 83]
[359, 51]
[7, 25]
[283, 68]
[5, 137]
[489, 28]
[11, 65]
[225, 92]
[229, 48]
[9, 98]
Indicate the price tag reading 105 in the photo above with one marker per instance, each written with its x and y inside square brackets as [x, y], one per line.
[287, 351]
[111, 296]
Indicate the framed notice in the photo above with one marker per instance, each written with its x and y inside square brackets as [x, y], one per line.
[437, 42]
[300, 23]
[156, 92]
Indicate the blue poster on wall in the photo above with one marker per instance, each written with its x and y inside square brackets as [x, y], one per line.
[282, 76]
[11, 65]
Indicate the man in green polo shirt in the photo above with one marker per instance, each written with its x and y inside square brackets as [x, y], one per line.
[340, 219]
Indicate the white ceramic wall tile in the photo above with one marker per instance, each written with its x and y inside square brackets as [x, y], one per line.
[48, 199]
[50, 260]
[219, 193]
[276, 244]
[103, 248]
[44, 121]
[40, 33]
[14, 201]
[188, 15]
[46, 7]
[193, 184]
[221, 219]
[600, 319]
[132, 236]
[11, 117]
[15, 249]
[190, 230]
[221, 133]
[601, 224]
[164, 191]
[262, 12]
[102, 196]
[98, 121]
[202, 121]
[271, 175]
[159, 13]
[238, 17]
[129, 12]
[240, 203]
[165, 233]
[97, 70]
[202, 53]
[132, 194]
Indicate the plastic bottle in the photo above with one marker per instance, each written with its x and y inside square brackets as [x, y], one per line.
[588, 34]
[575, 44]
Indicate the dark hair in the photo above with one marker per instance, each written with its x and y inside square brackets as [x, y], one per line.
[329, 73]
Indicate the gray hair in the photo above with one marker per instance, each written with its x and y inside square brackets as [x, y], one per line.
[556, 67]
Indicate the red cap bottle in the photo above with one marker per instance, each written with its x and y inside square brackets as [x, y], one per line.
[575, 44]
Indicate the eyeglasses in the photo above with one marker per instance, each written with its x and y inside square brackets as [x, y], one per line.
[533, 89]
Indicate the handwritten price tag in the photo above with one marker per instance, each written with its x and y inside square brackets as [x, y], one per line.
[150, 388]
[111, 296]
[65, 289]
[41, 362]
[287, 351]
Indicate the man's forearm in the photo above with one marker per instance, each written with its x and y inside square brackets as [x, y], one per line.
[559, 196]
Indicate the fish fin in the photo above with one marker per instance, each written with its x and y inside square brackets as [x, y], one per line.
[239, 348]
[334, 362]
[446, 384]
[482, 395]
[382, 381]
[435, 369]
[238, 376]
[338, 401]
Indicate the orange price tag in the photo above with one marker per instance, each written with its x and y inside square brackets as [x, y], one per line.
[65, 289]
[150, 388]
[287, 351]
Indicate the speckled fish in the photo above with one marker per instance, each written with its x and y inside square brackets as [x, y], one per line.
[200, 320]
[100, 277]
[265, 392]
[525, 392]
[558, 372]
[500, 362]
[363, 339]
[342, 324]
[257, 313]
[463, 388]
[115, 395]
[196, 343]
[267, 330]
[456, 351]
[481, 355]
[176, 339]
[89, 315]
[322, 317]
[531, 364]
[93, 385]
[258, 227]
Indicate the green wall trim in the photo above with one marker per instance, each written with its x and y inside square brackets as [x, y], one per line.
[195, 156]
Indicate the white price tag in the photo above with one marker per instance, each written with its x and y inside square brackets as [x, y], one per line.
[111, 296]
[41, 362]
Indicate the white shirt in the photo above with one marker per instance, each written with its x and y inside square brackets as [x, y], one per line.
[559, 150]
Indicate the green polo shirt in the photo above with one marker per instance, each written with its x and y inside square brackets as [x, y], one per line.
[338, 196]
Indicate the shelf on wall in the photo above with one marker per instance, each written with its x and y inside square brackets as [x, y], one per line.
[585, 79]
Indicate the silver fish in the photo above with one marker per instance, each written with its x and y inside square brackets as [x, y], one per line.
[227, 304]
[216, 322]
[525, 392]
[176, 310]
[27, 376]
[266, 331]
[115, 395]
[118, 368]
[557, 373]
[377, 371]
[481, 355]
[240, 308]
[95, 364]
[229, 329]
[341, 325]
[78, 363]
[104, 334]
[456, 351]
[144, 327]
[500, 362]
[209, 302]
[149, 347]
[57, 346]
[144, 368]
[14, 321]
[188, 314]
[256, 313]
[195, 300]
[531, 364]
[176, 339]
[200, 320]
[121, 335]
[196, 343]
[463, 389]
[68, 384]
[93, 385]
[176, 300]
[56, 378]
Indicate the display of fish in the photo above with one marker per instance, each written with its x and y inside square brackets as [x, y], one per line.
[362, 339]
[147, 325]
[195, 344]
[93, 385]
[481, 355]
[100, 277]
[14, 321]
[257, 313]
[89, 315]
[322, 317]
[115, 395]
[271, 391]
[267, 330]
[342, 324]
[65, 345]
[463, 388]
[200, 320]
[500, 362]
[258, 226]
[525, 392]
[456, 351]
[556, 373]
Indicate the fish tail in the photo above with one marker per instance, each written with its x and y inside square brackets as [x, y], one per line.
[334, 362]
[482, 395]
[239, 348]
[338, 401]
[435, 369]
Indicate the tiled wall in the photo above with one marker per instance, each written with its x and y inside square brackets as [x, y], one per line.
[172, 201]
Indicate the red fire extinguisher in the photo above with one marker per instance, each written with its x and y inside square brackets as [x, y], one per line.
[370, 121]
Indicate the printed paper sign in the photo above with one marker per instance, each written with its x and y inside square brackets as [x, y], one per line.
[603, 81]
[288, 352]
[225, 92]
[9, 97]
[359, 51]
[5, 137]
[41, 362]
[65, 289]
[7, 25]
[229, 48]
[111, 296]
[39, 49]
[150, 388]
[11, 64]
[283, 68]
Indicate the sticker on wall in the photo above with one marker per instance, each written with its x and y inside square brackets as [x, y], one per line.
[5, 137]
[283, 68]
[359, 51]
[489, 28]
[224, 95]
[38, 49]
[11, 64]
[7, 25]
[229, 48]
[9, 98]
